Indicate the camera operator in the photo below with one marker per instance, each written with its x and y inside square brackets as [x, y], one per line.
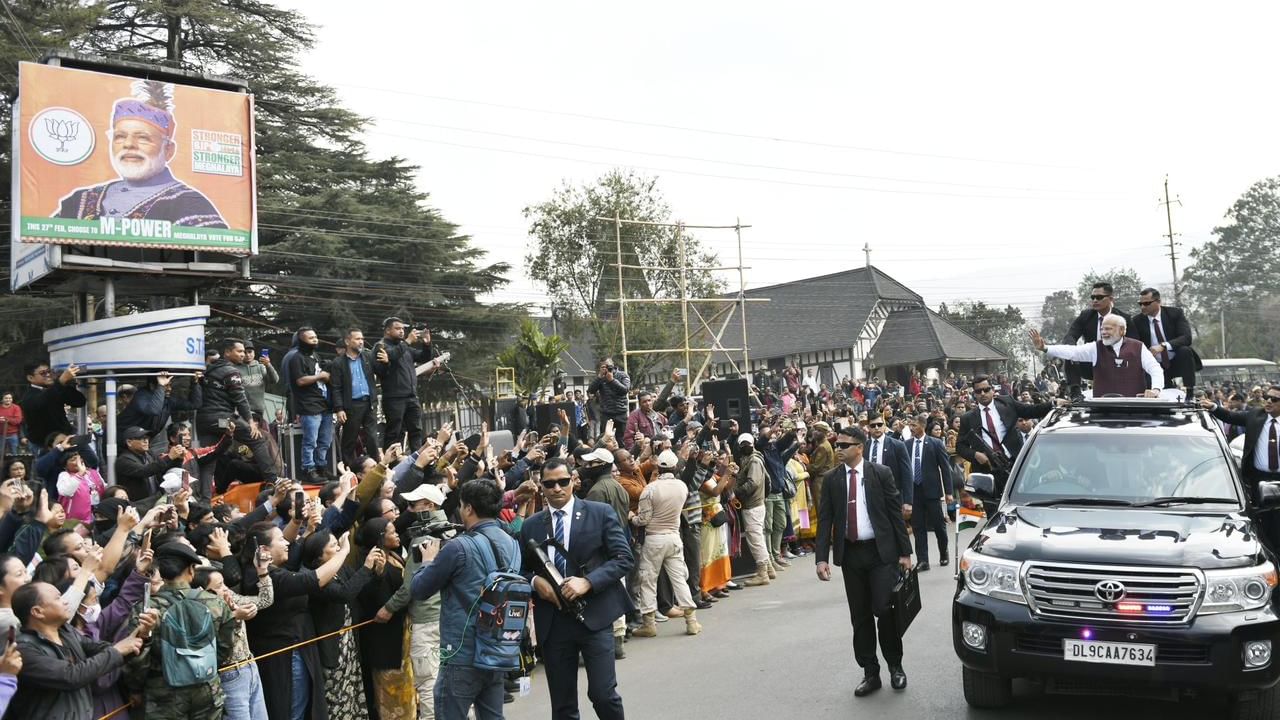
[423, 522]
[459, 578]
[610, 388]
[395, 363]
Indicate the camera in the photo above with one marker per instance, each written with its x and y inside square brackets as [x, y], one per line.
[224, 423]
[420, 327]
[423, 527]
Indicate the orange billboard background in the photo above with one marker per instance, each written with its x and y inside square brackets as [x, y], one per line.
[93, 95]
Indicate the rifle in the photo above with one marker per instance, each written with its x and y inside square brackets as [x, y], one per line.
[548, 571]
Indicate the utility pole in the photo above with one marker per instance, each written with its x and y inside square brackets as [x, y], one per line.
[1173, 252]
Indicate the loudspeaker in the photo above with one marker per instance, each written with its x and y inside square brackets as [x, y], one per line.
[548, 414]
[730, 400]
[503, 416]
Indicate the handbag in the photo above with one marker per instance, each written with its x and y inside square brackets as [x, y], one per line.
[906, 600]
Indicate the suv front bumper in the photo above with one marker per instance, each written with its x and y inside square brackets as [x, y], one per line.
[1206, 654]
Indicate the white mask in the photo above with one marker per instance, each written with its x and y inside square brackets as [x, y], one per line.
[91, 613]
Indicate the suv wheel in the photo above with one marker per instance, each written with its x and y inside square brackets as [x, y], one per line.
[1259, 705]
[987, 690]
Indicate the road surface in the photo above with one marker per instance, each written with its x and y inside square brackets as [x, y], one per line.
[786, 651]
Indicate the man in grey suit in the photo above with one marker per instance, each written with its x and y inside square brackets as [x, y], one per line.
[860, 519]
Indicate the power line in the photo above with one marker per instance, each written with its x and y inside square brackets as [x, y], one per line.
[719, 176]
[705, 131]
[755, 166]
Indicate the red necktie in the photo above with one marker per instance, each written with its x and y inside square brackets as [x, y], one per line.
[1273, 451]
[1164, 356]
[991, 428]
[851, 523]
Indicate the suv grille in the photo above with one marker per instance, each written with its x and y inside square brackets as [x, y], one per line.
[1096, 593]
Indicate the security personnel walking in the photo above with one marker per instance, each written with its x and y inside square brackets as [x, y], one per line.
[202, 700]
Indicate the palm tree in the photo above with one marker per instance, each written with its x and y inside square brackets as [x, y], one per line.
[533, 355]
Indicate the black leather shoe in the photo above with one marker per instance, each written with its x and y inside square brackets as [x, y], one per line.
[869, 684]
[702, 604]
[922, 567]
[945, 561]
[897, 678]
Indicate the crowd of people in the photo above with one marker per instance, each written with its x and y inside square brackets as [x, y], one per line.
[173, 592]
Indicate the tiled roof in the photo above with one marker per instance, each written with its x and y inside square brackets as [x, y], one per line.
[919, 335]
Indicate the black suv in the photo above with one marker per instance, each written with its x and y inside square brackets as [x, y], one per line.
[1124, 558]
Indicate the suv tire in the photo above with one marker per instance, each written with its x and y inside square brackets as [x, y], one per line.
[988, 690]
[1259, 705]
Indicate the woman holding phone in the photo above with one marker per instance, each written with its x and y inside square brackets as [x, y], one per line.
[293, 682]
[383, 644]
[330, 611]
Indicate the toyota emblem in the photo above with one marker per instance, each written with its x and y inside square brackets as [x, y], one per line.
[1109, 591]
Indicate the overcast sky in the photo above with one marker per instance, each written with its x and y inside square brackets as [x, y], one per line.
[993, 151]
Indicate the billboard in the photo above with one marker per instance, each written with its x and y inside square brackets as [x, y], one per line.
[118, 161]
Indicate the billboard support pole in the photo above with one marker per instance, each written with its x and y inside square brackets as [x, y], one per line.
[109, 429]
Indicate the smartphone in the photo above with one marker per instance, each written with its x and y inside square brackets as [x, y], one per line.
[146, 594]
[224, 423]
[299, 499]
[253, 549]
[13, 636]
[186, 480]
[265, 353]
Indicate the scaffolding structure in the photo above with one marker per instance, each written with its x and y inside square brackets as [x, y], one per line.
[723, 314]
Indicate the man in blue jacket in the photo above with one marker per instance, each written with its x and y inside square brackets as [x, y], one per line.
[458, 572]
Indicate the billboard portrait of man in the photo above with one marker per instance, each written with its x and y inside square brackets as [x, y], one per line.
[142, 144]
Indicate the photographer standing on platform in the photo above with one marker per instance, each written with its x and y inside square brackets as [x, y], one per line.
[610, 389]
[395, 361]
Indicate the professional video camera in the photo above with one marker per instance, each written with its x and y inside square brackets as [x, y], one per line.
[424, 527]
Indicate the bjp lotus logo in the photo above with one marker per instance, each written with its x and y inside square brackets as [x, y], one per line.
[62, 136]
[62, 130]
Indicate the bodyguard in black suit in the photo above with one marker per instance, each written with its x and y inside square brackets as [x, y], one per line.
[885, 449]
[598, 557]
[989, 436]
[1166, 331]
[355, 414]
[931, 476]
[1261, 458]
[860, 519]
[1087, 326]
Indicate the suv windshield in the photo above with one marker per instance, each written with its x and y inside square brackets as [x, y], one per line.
[1127, 467]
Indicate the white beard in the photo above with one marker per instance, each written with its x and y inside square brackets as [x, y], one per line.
[138, 173]
[1112, 342]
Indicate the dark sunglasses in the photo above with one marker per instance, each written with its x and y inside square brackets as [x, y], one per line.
[983, 390]
[1099, 297]
[562, 482]
[1271, 398]
[875, 424]
[846, 445]
[1145, 303]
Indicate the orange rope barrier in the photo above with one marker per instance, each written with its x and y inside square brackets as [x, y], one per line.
[243, 663]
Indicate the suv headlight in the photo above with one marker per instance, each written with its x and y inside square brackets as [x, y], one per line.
[991, 577]
[1238, 589]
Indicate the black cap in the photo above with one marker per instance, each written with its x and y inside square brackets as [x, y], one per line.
[135, 433]
[178, 550]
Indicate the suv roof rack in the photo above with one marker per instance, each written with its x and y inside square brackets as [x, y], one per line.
[1129, 405]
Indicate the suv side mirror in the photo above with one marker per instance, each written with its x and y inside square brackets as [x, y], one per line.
[1268, 494]
[983, 487]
